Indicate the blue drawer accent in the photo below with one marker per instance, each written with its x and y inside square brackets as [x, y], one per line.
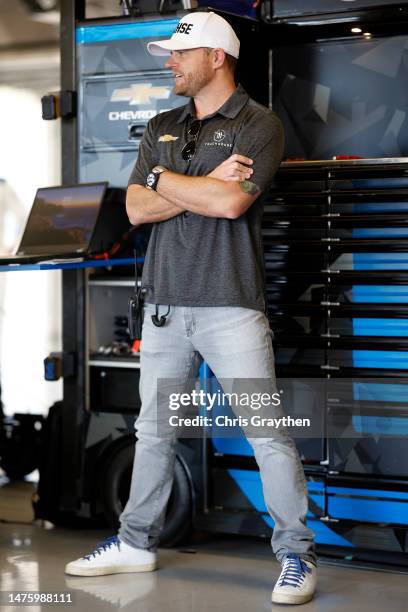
[380, 261]
[380, 392]
[380, 232]
[378, 294]
[373, 506]
[125, 31]
[381, 359]
[380, 327]
[381, 425]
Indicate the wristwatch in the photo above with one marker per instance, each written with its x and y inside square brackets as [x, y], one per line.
[153, 177]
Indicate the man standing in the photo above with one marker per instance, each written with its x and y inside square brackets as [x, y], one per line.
[199, 177]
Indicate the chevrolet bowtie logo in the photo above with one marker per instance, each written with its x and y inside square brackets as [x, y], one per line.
[140, 93]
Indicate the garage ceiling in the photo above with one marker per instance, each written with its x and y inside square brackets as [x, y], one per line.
[29, 49]
[19, 30]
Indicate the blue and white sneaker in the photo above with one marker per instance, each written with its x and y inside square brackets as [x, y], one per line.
[112, 556]
[297, 581]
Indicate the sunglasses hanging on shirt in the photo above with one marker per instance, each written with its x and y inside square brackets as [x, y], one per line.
[193, 132]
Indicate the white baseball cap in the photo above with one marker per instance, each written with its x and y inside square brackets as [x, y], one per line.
[199, 30]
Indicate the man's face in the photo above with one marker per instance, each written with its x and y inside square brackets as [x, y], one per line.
[192, 70]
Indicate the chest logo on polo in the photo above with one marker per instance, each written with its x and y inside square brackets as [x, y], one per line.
[219, 135]
[167, 138]
[218, 139]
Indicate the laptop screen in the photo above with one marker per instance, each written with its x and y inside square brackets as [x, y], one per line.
[62, 219]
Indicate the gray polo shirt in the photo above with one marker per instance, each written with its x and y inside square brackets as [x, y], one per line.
[193, 260]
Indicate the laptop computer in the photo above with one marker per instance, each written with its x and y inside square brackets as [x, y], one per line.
[61, 223]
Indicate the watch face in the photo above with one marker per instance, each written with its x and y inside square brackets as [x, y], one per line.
[150, 179]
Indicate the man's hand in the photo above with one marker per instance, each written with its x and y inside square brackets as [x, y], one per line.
[235, 168]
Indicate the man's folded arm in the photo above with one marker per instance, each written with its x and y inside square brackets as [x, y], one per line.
[177, 193]
[208, 196]
[147, 206]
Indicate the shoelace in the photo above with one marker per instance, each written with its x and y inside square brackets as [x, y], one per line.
[294, 572]
[102, 546]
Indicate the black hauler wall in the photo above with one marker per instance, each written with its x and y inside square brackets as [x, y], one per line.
[348, 98]
[288, 8]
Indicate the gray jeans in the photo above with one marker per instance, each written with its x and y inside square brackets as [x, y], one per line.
[235, 343]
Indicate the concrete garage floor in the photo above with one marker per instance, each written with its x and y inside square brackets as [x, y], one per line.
[223, 574]
[216, 574]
